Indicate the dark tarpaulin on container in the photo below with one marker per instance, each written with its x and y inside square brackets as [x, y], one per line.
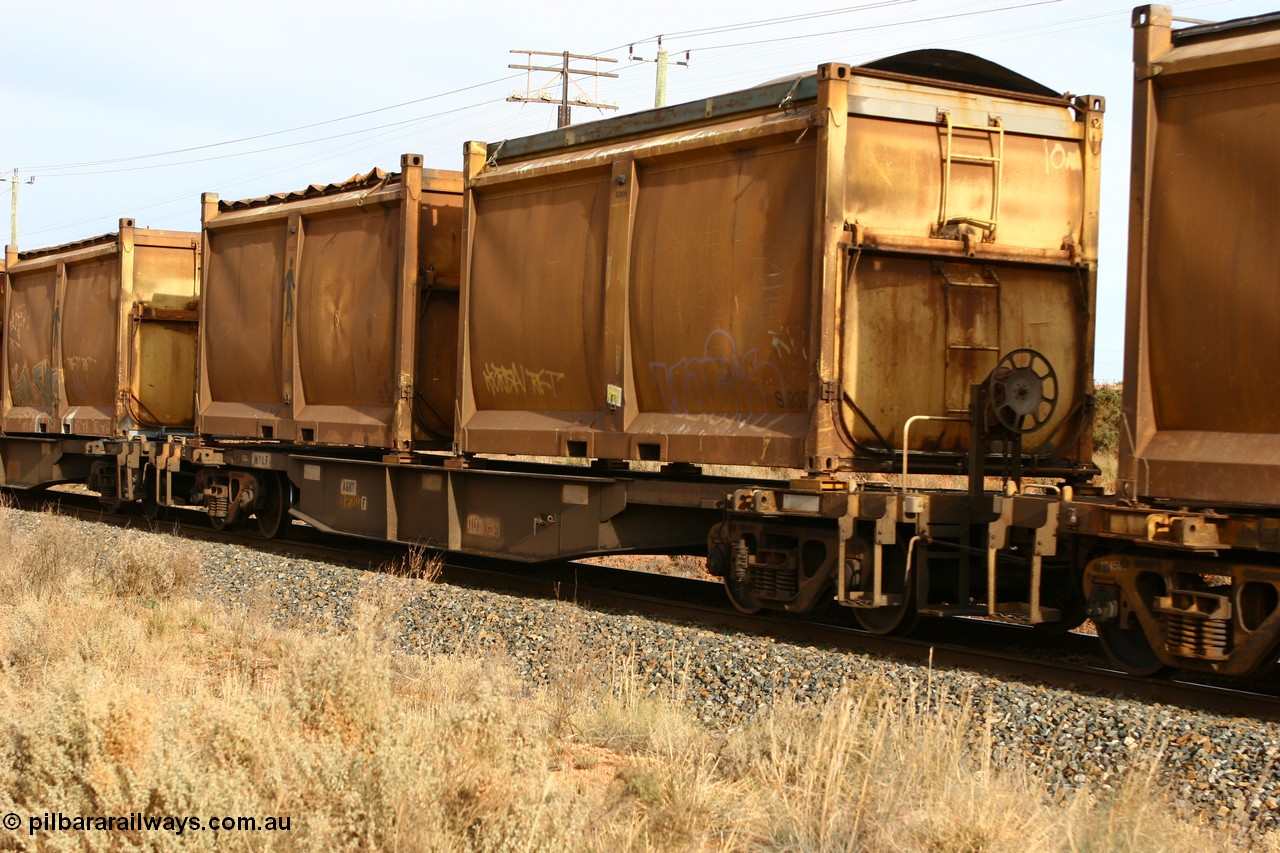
[371, 180]
[101, 240]
[956, 66]
[1202, 30]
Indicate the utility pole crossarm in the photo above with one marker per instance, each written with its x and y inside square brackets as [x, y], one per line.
[565, 73]
[661, 61]
[565, 54]
[555, 70]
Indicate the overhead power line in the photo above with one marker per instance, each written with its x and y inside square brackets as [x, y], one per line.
[90, 163]
[359, 132]
[684, 35]
[764, 22]
[888, 25]
[55, 170]
[769, 22]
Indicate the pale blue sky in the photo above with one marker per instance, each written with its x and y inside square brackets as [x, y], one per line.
[91, 88]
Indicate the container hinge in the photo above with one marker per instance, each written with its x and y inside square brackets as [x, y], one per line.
[492, 162]
[1073, 249]
[787, 104]
[829, 392]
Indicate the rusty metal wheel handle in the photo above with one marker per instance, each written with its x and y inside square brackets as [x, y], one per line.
[1023, 390]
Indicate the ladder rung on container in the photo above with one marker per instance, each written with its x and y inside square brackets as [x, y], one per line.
[948, 226]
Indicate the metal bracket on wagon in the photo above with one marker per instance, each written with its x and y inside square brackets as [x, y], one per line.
[825, 504]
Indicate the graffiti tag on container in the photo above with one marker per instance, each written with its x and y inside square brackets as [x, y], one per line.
[518, 379]
[724, 380]
[36, 388]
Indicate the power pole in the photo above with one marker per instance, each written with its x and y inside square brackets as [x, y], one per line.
[662, 61]
[564, 72]
[13, 209]
[13, 206]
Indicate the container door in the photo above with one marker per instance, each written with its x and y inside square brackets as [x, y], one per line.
[31, 381]
[89, 352]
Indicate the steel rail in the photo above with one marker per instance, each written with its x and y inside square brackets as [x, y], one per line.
[703, 603]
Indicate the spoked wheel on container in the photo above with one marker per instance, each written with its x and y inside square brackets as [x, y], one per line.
[898, 618]
[1023, 391]
[1129, 649]
[273, 514]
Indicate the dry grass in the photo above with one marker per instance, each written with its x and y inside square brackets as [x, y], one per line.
[418, 564]
[1109, 463]
[121, 692]
[680, 565]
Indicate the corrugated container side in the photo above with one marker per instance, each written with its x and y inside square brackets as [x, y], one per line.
[766, 278]
[102, 335]
[1202, 349]
[331, 314]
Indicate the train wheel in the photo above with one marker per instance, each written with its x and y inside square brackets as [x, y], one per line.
[900, 618]
[1129, 649]
[218, 524]
[273, 513]
[740, 596]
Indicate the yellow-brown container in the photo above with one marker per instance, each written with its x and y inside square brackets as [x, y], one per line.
[331, 314]
[100, 335]
[1202, 341]
[783, 276]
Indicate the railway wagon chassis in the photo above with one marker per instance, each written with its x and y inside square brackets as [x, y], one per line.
[1166, 587]
[1181, 569]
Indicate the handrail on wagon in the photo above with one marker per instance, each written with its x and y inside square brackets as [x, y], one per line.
[906, 439]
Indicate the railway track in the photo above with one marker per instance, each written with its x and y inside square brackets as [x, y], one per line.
[1069, 661]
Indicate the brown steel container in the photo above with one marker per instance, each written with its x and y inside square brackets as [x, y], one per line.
[1202, 341]
[331, 314]
[782, 276]
[100, 335]
[10, 256]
